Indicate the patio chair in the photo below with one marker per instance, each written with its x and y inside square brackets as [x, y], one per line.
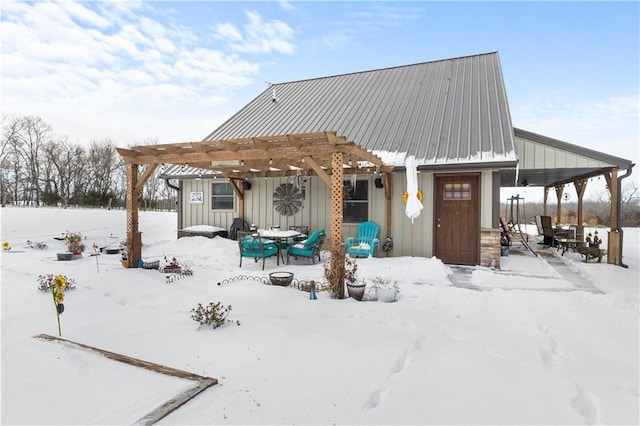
[505, 235]
[301, 229]
[548, 234]
[252, 245]
[309, 248]
[539, 225]
[365, 243]
[238, 224]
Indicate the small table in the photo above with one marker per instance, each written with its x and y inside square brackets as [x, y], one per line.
[281, 237]
[569, 244]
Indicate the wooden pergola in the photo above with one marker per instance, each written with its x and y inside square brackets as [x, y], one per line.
[323, 154]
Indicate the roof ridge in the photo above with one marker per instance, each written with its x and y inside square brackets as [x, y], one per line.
[381, 69]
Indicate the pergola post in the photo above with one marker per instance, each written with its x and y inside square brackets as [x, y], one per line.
[134, 239]
[337, 246]
[581, 186]
[545, 195]
[559, 189]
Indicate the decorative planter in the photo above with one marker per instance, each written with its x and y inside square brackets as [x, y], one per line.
[386, 295]
[151, 265]
[125, 263]
[64, 256]
[356, 291]
[281, 278]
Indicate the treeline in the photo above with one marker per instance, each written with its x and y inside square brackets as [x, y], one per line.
[39, 167]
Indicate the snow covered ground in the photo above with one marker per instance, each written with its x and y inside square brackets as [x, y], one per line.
[545, 340]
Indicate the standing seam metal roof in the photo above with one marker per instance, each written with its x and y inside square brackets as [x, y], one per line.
[443, 112]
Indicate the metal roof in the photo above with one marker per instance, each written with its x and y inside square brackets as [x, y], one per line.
[544, 161]
[449, 111]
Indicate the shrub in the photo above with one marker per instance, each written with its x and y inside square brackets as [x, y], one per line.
[214, 314]
[45, 282]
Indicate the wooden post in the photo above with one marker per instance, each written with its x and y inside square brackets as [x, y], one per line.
[337, 246]
[581, 186]
[134, 240]
[544, 201]
[559, 189]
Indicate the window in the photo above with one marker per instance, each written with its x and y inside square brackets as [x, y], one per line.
[222, 196]
[356, 202]
[457, 191]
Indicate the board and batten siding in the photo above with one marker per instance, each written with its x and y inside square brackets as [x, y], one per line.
[535, 155]
[202, 214]
[409, 238]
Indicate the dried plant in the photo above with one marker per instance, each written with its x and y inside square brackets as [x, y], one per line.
[74, 242]
[337, 273]
[214, 314]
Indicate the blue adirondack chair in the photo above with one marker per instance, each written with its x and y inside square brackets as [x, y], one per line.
[309, 248]
[365, 243]
[252, 245]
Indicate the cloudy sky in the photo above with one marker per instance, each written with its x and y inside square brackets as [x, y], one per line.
[174, 71]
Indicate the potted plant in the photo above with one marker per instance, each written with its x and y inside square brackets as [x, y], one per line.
[74, 243]
[354, 290]
[386, 290]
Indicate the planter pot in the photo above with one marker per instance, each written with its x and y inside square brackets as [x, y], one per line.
[125, 263]
[281, 278]
[356, 291]
[386, 295]
[64, 256]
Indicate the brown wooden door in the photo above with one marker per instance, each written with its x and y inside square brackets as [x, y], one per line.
[457, 219]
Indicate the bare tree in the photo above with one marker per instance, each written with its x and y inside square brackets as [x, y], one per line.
[34, 133]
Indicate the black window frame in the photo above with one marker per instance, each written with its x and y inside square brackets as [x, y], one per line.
[355, 204]
[226, 195]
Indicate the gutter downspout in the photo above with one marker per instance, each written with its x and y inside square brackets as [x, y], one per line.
[619, 212]
[178, 199]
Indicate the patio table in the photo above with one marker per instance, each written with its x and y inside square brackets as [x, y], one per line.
[281, 237]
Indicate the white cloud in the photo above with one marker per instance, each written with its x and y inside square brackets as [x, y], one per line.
[101, 69]
[607, 124]
[259, 36]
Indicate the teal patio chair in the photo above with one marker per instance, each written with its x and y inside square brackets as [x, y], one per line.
[365, 243]
[256, 247]
[309, 248]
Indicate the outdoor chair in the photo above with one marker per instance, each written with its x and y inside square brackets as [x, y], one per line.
[505, 235]
[309, 248]
[256, 247]
[365, 243]
[548, 234]
[238, 224]
[301, 229]
[539, 225]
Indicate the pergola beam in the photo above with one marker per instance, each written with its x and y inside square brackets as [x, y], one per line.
[320, 153]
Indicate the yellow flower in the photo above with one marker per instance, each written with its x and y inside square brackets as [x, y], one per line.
[6, 246]
[60, 282]
[59, 297]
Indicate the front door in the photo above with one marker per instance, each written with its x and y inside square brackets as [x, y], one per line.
[457, 219]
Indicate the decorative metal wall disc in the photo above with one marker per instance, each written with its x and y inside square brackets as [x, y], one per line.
[287, 199]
